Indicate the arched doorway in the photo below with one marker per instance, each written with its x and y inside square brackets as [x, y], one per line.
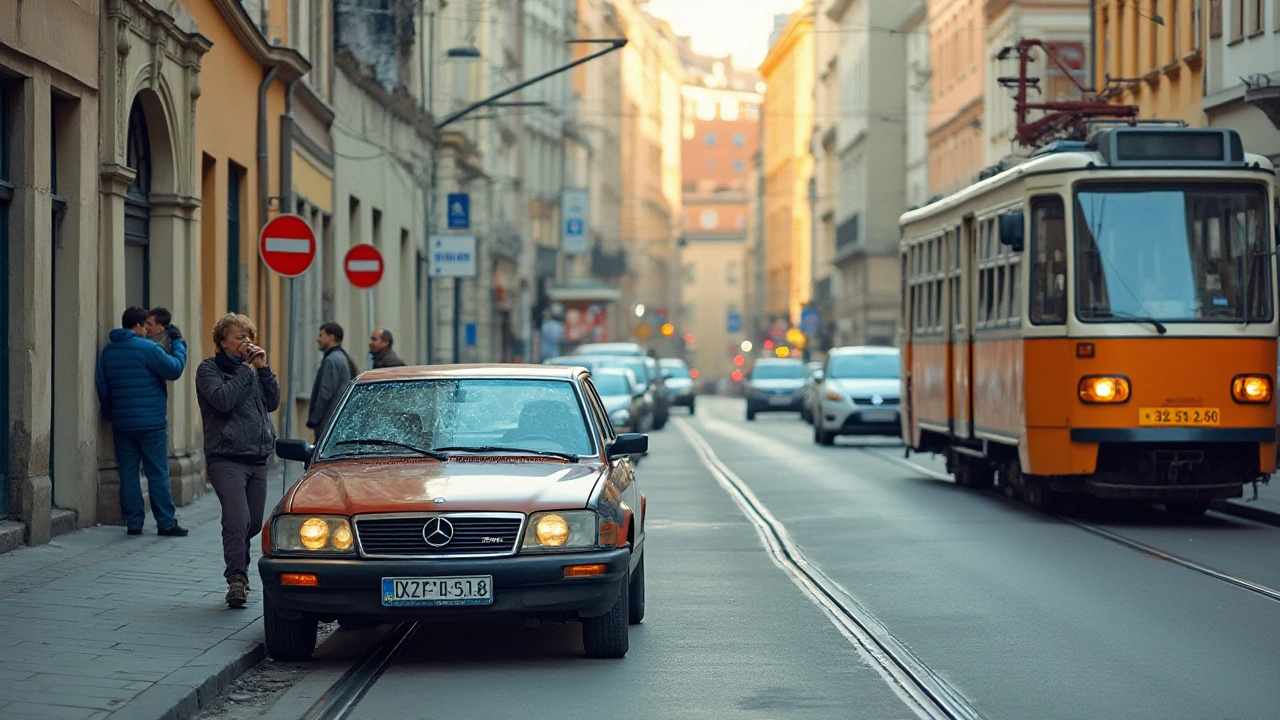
[137, 213]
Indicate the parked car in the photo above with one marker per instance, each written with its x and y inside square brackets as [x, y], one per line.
[812, 376]
[613, 348]
[623, 398]
[775, 384]
[446, 491]
[661, 395]
[679, 382]
[859, 394]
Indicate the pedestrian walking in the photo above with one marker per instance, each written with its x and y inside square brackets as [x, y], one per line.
[236, 390]
[133, 397]
[380, 347]
[335, 371]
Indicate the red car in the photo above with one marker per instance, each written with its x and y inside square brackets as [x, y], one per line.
[460, 490]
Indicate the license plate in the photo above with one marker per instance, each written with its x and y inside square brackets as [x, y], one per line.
[879, 415]
[435, 591]
[1178, 416]
[780, 400]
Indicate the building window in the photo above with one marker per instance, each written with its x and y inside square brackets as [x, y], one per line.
[1237, 19]
[6, 195]
[235, 186]
[711, 139]
[731, 273]
[137, 213]
[739, 140]
[709, 219]
[739, 166]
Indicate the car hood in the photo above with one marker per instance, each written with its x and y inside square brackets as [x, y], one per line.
[865, 386]
[616, 402]
[470, 484]
[783, 384]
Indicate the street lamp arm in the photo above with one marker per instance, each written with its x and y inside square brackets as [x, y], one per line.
[614, 44]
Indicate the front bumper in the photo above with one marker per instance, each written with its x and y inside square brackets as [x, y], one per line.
[779, 402]
[522, 584]
[846, 418]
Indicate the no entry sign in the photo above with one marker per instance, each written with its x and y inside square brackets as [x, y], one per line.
[363, 265]
[287, 245]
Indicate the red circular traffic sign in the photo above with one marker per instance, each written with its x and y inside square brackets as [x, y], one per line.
[363, 265]
[287, 245]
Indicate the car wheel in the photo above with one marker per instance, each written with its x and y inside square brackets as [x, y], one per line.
[690, 407]
[751, 414]
[607, 636]
[820, 436]
[635, 603]
[288, 640]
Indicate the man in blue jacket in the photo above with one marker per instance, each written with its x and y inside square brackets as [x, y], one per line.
[131, 376]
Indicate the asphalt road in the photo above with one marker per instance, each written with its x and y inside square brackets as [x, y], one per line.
[1025, 615]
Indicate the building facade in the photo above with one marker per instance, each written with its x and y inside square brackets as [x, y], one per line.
[827, 41]
[919, 85]
[957, 107]
[788, 72]
[1159, 66]
[1242, 73]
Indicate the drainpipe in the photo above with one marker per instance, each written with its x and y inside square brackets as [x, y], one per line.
[264, 185]
[286, 205]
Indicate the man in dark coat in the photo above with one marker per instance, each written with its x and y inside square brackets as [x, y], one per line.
[130, 377]
[380, 347]
[332, 377]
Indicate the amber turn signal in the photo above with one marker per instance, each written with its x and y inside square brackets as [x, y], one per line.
[1251, 388]
[583, 570]
[608, 533]
[300, 579]
[1104, 389]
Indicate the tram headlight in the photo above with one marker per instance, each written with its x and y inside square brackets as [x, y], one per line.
[1251, 388]
[1096, 389]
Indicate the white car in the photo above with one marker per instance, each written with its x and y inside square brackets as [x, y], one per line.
[858, 393]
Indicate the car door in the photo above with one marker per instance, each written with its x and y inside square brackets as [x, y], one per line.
[621, 479]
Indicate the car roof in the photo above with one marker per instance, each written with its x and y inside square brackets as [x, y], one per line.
[614, 348]
[517, 371]
[864, 350]
[672, 361]
[778, 361]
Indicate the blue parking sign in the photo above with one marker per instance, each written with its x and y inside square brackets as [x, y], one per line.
[459, 211]
[735, 323]
[810, 321]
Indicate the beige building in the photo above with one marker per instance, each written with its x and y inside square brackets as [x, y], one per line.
[788, 72]
[1160, 66]
[1242, 72]
[957, 31]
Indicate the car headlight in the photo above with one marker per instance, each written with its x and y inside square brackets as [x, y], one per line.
[561, 530]
[1251, 388]
[313, 533]
[620, 417]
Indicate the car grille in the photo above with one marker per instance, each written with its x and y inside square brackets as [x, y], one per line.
[866, 400]
[403, 536]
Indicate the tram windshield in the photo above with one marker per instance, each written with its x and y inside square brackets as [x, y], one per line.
[1173, 253]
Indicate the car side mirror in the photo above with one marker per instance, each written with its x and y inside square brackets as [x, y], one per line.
[628, 444]
[297, 450]
[819, 376]
[1011, 231]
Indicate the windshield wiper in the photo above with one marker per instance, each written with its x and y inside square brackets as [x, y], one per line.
[1160, 328]
[571, 457]
[393, 443]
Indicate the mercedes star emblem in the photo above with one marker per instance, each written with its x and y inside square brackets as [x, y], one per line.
[437, 532]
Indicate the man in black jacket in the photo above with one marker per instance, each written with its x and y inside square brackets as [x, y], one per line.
[332, 377]
[237, 391]
[380, 348]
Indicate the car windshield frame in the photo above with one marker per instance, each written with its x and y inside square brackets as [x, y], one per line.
[797, 367]
[894, 357]
[329, 447]
[1205, 246]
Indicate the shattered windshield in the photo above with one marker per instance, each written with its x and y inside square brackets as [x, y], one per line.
[391, 419]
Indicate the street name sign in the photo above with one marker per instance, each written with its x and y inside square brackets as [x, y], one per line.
[453, 256]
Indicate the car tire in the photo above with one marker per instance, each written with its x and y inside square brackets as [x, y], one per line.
[690, 407]
[288, 640]
[635, 603]
[608, 636]
[822, 437]
[751, 414]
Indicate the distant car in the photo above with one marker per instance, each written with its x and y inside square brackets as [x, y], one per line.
[860, 394]
[812, 376]
[623, 398]
[655, 400]
[775, 385]
[679, 382]
[661, 395]
[445, 491]
[614, 348]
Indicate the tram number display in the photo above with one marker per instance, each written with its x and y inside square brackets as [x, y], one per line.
[1179, 416]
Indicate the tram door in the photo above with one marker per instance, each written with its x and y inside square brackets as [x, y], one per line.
[964, 259]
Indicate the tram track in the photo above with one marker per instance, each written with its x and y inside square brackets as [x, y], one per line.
[1111, 536]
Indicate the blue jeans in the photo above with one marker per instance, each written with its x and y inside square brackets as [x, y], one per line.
[148, 449]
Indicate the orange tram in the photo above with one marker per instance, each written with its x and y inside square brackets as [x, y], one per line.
[1101, 319]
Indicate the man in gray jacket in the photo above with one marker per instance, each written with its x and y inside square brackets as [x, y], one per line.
[335, 372]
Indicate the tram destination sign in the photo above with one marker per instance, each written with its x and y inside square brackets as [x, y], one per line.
[1171, 146]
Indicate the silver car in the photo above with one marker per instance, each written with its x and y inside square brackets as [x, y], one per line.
[859, 394]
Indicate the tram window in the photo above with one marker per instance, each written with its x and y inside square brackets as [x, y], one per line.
[1002, 306]
[1015, 300]
[982, 292]
[1049, 262]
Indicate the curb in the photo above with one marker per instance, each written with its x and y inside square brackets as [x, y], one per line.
[197, 685]
[1248, 511]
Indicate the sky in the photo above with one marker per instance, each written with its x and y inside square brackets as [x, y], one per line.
[719, 27]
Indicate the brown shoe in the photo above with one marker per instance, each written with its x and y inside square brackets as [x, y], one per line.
[237, 591]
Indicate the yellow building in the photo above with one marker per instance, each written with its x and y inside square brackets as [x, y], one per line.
[788, 72]
[1158, 67]
[957, 29]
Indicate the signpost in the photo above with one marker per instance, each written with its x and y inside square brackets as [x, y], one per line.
[734, 323]
[810, 321]
[459, 211]
[573, 221]
[287, 246]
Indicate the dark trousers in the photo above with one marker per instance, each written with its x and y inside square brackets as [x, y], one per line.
[144, 450]
[242, 490]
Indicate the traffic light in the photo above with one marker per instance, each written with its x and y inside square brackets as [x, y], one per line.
[768, 344]
[738, 360]
[688, 337]
[668, 330]
[736, 376]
